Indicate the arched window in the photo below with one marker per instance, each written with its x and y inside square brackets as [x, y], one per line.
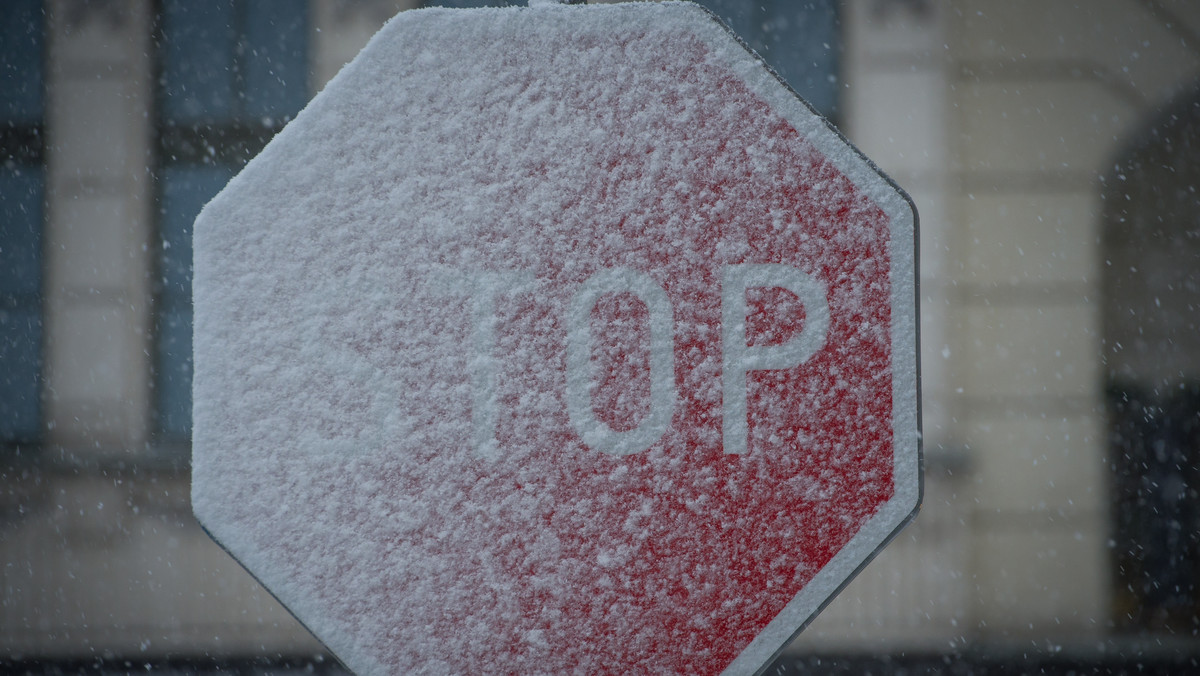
[1151, 324]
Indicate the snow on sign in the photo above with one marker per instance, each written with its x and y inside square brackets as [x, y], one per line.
[562, 339]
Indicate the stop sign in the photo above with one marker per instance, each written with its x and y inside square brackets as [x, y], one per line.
[556, 339]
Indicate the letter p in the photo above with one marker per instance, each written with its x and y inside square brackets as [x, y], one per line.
[738, 359]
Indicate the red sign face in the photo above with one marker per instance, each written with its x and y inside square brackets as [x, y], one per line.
[560, 339]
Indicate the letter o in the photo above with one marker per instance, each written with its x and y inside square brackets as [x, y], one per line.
[654, 425]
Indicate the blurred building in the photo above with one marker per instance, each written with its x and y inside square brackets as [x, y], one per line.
[1050, 149]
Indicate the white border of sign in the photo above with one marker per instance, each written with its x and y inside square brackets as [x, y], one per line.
[906, 434]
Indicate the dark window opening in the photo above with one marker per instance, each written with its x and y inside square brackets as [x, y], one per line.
[22, 196]
[231, 74]
[1151, 282]
[801, 41]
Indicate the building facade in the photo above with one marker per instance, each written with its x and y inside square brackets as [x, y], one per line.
[1047, 146]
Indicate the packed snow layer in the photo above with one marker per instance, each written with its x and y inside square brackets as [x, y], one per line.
[463, 377]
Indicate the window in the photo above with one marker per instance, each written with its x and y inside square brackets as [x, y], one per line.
[232, 73]
[22, 189]
[801, 41]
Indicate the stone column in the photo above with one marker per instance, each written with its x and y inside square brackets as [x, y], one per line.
[98, 230]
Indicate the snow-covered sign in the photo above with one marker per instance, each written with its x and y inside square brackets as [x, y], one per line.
[561, 339]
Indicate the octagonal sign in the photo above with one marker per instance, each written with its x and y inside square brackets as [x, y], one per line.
[562, 339]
